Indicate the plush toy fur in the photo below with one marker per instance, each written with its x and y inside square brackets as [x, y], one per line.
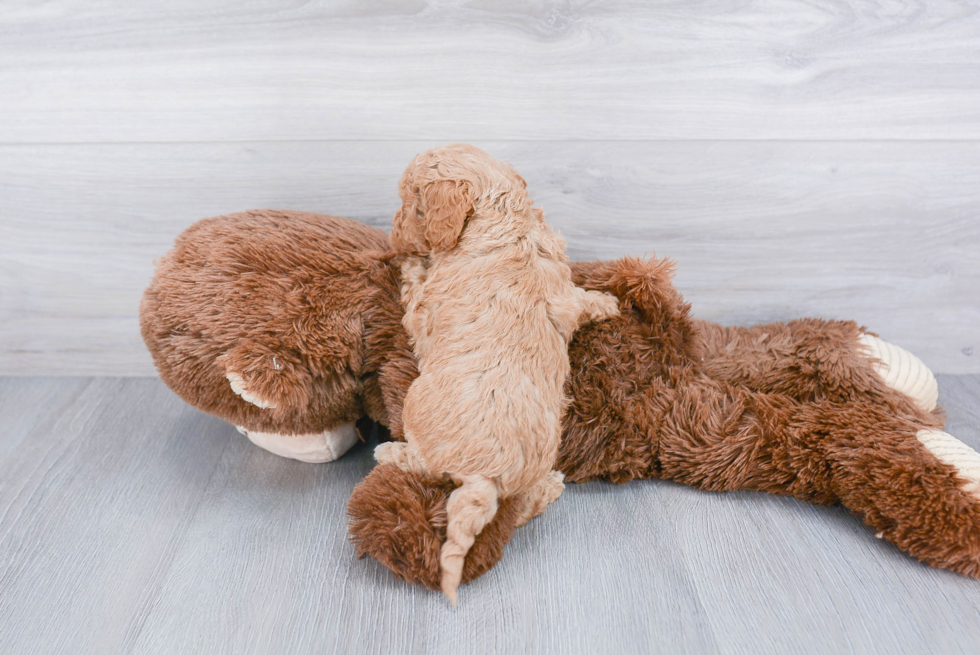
[800, 409]
[301, 308]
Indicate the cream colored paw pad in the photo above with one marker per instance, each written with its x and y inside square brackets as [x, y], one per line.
[312, 448]
[902, 371]
[950, 450]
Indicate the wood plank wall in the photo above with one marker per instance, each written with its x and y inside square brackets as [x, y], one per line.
[796, 158]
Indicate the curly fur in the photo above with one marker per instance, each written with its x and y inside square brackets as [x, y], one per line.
[792, 409]
[237, 291]
[489, 306]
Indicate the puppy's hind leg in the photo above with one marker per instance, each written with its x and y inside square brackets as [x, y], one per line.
[544, 493]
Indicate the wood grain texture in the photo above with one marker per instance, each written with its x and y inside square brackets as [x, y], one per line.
[885, 233]
[131, 523]
[796, 157]
[112, 71]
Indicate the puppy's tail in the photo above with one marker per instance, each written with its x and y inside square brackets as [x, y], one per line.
[470, 508]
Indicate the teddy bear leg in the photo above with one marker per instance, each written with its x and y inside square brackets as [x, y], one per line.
[902, 371]
[916, 486]
[925, 500]
[316, 448]
[718, 437]
[805, 359]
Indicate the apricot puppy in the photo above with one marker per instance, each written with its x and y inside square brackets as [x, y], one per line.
[490, 308]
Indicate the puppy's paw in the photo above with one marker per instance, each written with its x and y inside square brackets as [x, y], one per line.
[389, 452]
[401, 455]
[238, 385]
[600, 306]
[608, 306]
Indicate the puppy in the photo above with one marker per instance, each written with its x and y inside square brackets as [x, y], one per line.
[490, 308]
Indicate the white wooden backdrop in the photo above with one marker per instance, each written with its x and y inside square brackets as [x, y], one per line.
[796, 158]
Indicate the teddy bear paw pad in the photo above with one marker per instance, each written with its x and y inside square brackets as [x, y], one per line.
[953, 452]
[313, 448]
[902, 371]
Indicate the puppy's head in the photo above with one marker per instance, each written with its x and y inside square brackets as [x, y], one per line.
[443, 187]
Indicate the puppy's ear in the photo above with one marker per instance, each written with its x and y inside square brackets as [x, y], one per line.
[445, 206]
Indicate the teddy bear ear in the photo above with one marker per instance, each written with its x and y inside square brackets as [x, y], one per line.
[445, 206]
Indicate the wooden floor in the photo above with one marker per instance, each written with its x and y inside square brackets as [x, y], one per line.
[131, 523]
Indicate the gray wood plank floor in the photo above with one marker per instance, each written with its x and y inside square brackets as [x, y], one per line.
[131, 523]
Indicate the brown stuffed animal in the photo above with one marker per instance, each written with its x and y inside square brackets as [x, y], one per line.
[301, 312]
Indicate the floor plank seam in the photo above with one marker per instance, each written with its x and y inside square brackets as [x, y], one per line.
[146, 608]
